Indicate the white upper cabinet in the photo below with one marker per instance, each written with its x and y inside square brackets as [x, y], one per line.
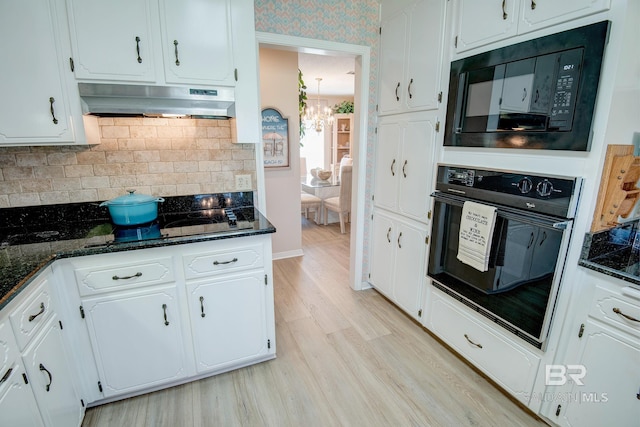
[482, 23]
[35, 107]
[113, 40]
[410, 57]
[536, 14]
[169, 41]
[204, 55]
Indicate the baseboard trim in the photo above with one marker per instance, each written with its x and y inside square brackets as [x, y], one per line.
[288, 254]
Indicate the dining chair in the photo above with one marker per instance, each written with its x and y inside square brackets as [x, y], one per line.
[310, 202]
[342, 203]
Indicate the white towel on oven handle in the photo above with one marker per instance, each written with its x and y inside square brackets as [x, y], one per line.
[475, 235]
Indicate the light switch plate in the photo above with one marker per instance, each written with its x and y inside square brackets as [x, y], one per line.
[243, 182]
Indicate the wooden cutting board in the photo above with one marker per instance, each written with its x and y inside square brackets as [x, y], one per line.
[618, 191]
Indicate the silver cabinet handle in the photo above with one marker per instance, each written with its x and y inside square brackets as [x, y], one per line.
[48, 386]
[201, 306]
[397, 96]
[175, 46]
[504, 11]
[164, 310]
[53, 113]
[399, 237]
[138, 274]
[138, 49]
[409, 89]
[225, 262]
[393, 163]
[404, 166]
[616, 310]
[33, 316]
[388, 232]
[471, 342]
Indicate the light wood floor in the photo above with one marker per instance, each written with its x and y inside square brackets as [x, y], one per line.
[344, 358]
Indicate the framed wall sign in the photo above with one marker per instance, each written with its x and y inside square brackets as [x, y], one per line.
[275, 139]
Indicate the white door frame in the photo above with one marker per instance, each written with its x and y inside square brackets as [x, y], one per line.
[362, 56]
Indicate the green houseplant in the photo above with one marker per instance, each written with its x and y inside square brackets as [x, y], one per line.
[344, 107]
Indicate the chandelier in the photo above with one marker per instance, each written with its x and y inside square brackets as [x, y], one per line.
[320, 117]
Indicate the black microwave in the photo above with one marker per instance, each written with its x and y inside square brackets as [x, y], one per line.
[538, 94]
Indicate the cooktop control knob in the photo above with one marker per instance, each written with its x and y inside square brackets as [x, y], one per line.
[525, 185]
[544, 188]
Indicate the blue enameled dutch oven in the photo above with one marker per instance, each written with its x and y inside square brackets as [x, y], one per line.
[133, 209]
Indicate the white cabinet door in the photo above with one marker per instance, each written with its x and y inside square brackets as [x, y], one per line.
[383, 237]
[390, 135]
[543, 13]
[399, 260]
[52, 379]
[204, 55]
[113, 40]
[17, 404]
[229, 320]
[137, 339]
[611, 381]
[425, 39]
[410, 58]
[410, 262]
[35, 106]
[484, 22]
[392, 64]
[404, 169]
[416, 168]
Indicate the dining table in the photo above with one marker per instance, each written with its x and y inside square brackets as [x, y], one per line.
[322, 189]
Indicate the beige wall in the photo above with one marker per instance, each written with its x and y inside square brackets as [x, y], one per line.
[163, 157]
[279, 89]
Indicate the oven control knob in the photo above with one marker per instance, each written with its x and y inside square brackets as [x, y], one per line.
[525, 185]
[544, 188]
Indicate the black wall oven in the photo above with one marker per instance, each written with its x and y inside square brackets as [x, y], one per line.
[536, 94]
[528, 247]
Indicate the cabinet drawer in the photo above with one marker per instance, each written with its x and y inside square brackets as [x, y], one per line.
[221, 261]
[619, 310]
[511, 366]
[125, 275]
[32, 313]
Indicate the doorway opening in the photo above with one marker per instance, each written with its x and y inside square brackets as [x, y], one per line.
[361, 55]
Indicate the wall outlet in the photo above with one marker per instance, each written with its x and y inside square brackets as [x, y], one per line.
[243, 182]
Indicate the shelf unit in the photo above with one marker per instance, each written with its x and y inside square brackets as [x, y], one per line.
[342, 138]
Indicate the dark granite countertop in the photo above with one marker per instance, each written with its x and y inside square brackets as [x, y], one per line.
[614, 252]
[31, 238]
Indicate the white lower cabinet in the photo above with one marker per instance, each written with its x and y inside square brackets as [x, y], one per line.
[510, 365]
[163, 316]
[37, 385]
[137, 339]
[52, 379]
[18, 406]
[610, 389]
[398, 260]
[597, 382]
[238, 303]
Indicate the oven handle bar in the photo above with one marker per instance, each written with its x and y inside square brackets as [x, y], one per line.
[507, 212]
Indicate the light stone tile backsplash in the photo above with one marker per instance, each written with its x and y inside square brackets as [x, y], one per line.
[162, 157]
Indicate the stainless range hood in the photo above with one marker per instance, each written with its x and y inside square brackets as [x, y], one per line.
[119, 99]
